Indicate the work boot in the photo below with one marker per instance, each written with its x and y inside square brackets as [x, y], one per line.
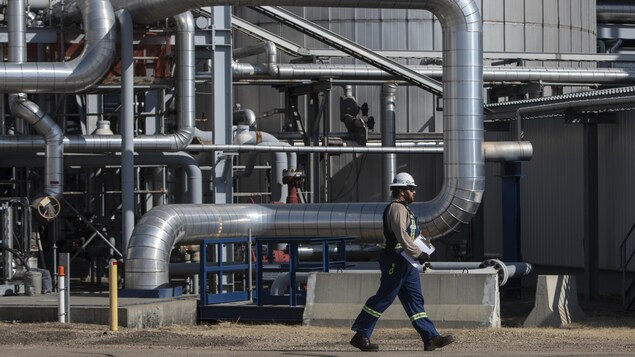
[438, 342]
[363, 343]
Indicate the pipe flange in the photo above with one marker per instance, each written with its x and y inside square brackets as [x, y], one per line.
[501, 269]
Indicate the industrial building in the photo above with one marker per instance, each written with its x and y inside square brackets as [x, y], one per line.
[134, 130]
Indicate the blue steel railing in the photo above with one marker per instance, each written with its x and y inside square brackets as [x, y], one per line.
[221, 268]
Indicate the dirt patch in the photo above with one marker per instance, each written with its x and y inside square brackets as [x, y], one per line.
[608, 330]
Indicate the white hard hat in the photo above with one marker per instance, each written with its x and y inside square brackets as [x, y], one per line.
[403, 179]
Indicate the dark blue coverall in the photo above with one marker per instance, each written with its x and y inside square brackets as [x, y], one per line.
[398, 278]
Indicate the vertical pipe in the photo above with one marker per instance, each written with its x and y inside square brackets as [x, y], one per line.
[249, 267]
[65, 262]
[114, 308]
[6, 215]
[29, 111]
[327, 129]
[388, 136]
[16, 21]
[127, 129]
[17, 31]
[61, 287]
[313, 108]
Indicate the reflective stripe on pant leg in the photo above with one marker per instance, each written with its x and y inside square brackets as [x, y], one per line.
[371, 312]
[421, 315]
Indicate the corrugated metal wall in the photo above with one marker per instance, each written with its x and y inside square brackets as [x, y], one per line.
[552, 194]
[617, 188]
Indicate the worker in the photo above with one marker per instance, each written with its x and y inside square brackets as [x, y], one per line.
[398, 276]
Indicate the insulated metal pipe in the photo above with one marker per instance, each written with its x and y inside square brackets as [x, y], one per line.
[507, 151]
[388, 135]
[162, 227]
[268, 47]
[615, 11]
[77, 74]
[494, 151]
[490, 74]
[127, 128]
[16, 20]
[54, 143]
[185, 116]
[22, 108]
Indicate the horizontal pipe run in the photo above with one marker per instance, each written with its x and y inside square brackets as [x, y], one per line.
[490, 74]
[494, 151]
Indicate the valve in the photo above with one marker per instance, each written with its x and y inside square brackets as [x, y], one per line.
[295, 179]
[47, 207]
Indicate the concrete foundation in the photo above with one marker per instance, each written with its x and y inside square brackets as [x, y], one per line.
[556, 302]
[95, 309]
[451, 300]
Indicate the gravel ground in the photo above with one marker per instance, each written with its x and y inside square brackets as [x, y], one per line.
[609, 330]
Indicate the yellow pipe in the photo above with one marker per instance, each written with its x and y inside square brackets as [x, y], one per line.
[112, 281]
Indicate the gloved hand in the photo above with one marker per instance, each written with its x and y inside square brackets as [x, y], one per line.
[423, 257]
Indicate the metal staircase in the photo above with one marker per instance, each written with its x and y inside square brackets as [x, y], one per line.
[627, 252]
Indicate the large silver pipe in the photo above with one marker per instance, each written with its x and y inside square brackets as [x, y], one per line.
[490, 74]
[77, 74]
[16, 19]
[388, 135]
[185, 88]
[113, 143]
[494, 151]
[22, 108]
[506, 151]
[615, 11]
[268, 47]
[164, 226]
[54, 143]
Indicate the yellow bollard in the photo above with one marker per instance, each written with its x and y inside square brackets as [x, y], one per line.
[112, 281]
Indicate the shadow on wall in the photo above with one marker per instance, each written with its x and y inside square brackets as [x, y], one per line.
[360, 180]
